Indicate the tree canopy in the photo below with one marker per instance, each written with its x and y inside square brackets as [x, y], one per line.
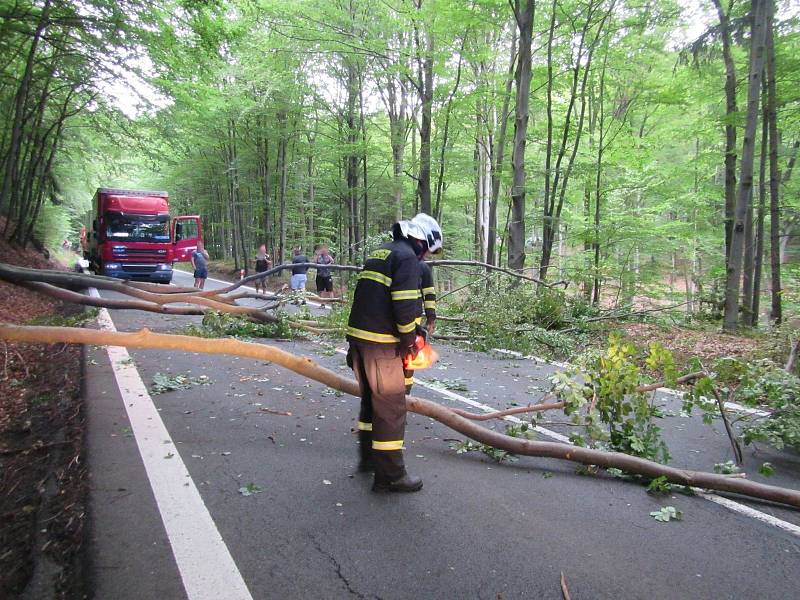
[596, 141]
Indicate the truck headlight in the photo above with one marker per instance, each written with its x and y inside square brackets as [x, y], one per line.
[164, 267]
[113, 266]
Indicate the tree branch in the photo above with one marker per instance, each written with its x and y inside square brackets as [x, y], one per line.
[308, 368]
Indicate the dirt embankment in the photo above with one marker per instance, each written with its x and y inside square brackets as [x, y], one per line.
[42, 473]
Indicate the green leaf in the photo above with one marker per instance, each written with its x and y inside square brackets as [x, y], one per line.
[666, 514]
[250, 489]
[766, 469]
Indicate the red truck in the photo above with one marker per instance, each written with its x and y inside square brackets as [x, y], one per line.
[133, 237]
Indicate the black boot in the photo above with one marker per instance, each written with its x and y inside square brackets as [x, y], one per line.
[407, 483]
[365, 462]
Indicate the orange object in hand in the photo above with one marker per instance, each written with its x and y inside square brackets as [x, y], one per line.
[425, 357]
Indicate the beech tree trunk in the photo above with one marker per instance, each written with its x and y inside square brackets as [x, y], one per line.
[776, 313]
[524, 12]
[730, 125]
[755, 305]
[425, 89]
[734, 270]
[498, 156]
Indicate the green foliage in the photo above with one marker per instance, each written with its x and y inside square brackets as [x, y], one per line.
[220, 324]
[518, 430]
[726, 468]
[336, 318]
[490, 451]
[523, 319]
[766, 469]
[163, 383]
[455, 385]
[250, 489]
[619, 416]
[659, 485]
[758, 384]
[666, 514]
[75, 320]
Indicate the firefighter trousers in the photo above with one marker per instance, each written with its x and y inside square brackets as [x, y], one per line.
[382, 419]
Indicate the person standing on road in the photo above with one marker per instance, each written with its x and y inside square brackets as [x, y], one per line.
[200, 265]
[382, 331]
[299, 272]
[263, 263]
[427, 307]
[324, 279]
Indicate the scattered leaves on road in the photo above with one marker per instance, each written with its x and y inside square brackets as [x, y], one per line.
[454, 385]
[726, 468]
[666, 514]
[169, 383]
[250, 489]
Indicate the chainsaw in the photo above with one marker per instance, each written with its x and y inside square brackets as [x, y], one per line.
[425, 355]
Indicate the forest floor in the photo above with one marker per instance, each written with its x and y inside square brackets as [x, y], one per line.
[43, 479]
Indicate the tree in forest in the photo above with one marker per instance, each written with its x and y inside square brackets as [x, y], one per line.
[760, 13]
[524, 13]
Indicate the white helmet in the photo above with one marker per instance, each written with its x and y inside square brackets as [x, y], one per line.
[423, 227]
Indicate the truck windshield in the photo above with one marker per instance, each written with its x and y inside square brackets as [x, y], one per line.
[137, 228]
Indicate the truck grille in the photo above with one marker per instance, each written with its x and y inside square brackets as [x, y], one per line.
[142, 251]
[129, 268]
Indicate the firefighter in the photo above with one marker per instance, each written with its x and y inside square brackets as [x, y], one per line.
[382, 331]
[427, 307]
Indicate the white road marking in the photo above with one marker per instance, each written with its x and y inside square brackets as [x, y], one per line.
[206, 566]
[736, 507]
[749, 512]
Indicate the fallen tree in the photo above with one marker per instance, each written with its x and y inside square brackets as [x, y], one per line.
[308, 368]
[149, 297]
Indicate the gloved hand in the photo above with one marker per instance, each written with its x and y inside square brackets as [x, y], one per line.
[408, 352]
[431, 325]
[409, 346]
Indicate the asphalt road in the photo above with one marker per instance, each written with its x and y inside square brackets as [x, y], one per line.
[477, 530]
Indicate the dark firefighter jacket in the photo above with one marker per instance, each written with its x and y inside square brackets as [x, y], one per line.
[428, 292]
[387, 297]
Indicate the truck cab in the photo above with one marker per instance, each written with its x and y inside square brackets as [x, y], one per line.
[133, 236]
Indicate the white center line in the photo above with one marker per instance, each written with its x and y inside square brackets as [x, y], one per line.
[206, 566]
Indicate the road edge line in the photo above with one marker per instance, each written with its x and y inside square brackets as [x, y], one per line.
[207, 569]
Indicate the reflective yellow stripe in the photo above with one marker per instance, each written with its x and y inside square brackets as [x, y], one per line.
[371, 336]
[409, 380]
[375, 276]
[407, 328]
[362, 426]
[393, 445]
[428, 290]
[430, 304]
[418, 320]
[405, 294]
